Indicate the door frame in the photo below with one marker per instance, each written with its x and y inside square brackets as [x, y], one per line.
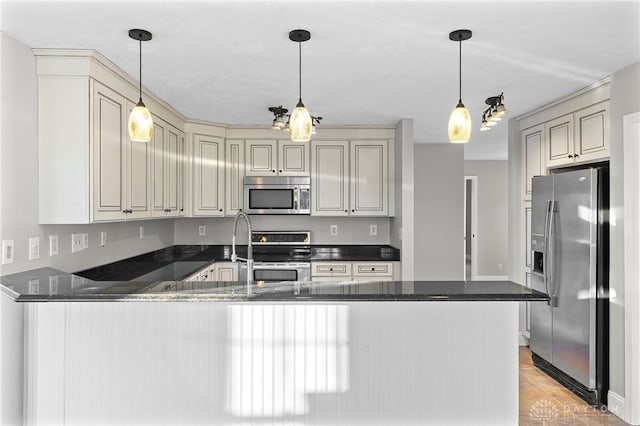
[474, 228]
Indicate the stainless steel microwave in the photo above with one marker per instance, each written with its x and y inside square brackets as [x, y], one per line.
[277, 195]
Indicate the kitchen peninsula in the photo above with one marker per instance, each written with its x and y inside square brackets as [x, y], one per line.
[127, 352]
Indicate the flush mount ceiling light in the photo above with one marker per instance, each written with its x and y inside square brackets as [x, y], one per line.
[460, 119]
[300, 122]
[140, 121]
[494, 113]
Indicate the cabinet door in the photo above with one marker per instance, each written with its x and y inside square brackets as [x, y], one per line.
[226, 271]
[181, 175]
[532, 148]
[172, 171]
[234, 173]
[329, 178]
[369, 178]
[559, 149]
[109, 145]
[138, 169]
[592, 133]
[262, 158]
[527, 236]
[207, 176]
[158, 169]
[293, 158]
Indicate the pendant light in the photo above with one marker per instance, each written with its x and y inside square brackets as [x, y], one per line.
[300, 123]
[460, 119]
[140, 121]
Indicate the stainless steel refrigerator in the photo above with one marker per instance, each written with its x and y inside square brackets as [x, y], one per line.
[570, 245]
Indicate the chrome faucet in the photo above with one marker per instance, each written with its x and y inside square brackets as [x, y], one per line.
[234, 256]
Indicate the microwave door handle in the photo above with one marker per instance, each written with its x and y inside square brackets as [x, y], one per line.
[295, 198]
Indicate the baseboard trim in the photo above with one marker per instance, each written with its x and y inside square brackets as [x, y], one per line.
[616, 404]
[492, 278]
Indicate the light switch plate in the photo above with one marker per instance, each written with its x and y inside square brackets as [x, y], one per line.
[34, 248]
[85, 241]
[202, 230]
[53, 245]
[103, 238]
[7, 252]
[141, 232]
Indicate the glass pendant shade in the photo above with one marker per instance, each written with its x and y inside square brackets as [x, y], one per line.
[140, 124]
[501, 110]
[300, 124]
[460, 125]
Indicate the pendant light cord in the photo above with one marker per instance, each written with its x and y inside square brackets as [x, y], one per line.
[140, 41]
[460, 70]
[300, 71]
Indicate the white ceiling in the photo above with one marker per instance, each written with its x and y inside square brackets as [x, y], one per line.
[366, 63]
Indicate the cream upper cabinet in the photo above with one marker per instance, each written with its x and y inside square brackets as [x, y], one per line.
[330, 178]
[559, 148]
[208, 178]
[369, 178]
[592, 133]
[157, 169]
[167, 146]
[350, 178]
[234, 173]
[578, 138]
[273, 158]
[121, 167]
[532, 152]
[88, 169]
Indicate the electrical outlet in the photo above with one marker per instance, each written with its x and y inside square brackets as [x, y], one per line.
[76, 243]
[103, 238]
[53, 245]
[34, 286]
[7, 252]
[142, 232]
[53, 284]
[333, 229]
[85, 241]
[202, 230]
[373, 229]
[34, 248]
[499, 266]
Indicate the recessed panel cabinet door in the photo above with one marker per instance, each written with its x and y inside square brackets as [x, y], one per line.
[172, 155]
[330, 178]
[293, 158]
[208, 156]
[369, 178]
[109, 110]
[559, 141]
[532, 148]
[138, 160]
[262, 158]
[234, 173]
[157, 168]
[592, 133]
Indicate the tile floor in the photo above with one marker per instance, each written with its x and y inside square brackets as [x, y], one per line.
[543, 401]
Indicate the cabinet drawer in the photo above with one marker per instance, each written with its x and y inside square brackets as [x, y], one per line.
[332, 269]
[372, 269]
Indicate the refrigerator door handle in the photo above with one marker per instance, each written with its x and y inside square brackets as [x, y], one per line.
[546, 250]
[550, 249]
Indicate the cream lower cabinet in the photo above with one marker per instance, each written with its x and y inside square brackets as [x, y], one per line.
[267, 157]
[208, 178]
[167, 162]
[350, 178]
[121, 167]
[371, 274]
[223, 271]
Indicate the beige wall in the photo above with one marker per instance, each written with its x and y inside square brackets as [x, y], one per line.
[439, 212]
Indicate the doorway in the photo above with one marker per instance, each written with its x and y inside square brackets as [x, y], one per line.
[470, 227]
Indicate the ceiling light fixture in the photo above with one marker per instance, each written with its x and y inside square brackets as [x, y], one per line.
[494, 113]
[140, 121]
[300, 122]
[281, 119]
[460, 119]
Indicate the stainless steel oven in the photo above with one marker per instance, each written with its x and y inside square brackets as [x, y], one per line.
[278, 271]
[277, 195]
[280, 256]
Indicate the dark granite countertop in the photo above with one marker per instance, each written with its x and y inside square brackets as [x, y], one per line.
[138, 267]
[50, 285]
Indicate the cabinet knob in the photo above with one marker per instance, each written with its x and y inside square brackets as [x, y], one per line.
[273, 171]
[353, 210]
[280, 171]
[331, 269]
[373, 269]
[220, 210]
[576, 155]
[570, 156]
[181, 210]
[346, 211]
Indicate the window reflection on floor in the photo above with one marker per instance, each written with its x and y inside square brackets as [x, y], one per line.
[281, 353]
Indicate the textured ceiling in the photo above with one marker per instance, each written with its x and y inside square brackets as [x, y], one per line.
[366, 62]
